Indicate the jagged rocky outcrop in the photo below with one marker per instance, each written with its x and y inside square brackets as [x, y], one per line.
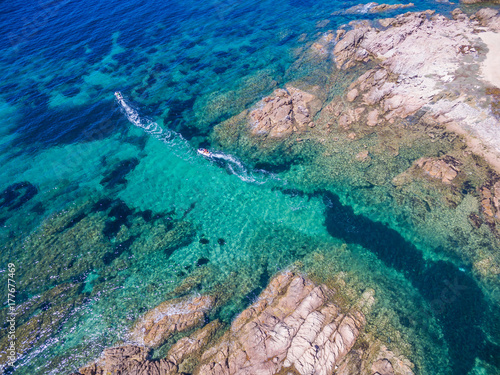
[438, 168]
[295, 326]
[170, 317]
[425, 62]
[282, 113]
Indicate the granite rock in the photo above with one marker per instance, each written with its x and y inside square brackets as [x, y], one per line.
[170, 317]
[282, 113]
[439, 169]
[294, 324]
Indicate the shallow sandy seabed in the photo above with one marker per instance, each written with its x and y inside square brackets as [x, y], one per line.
[491, 66]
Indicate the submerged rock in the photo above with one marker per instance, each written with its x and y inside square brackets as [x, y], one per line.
[294, 324]
[271, 133]
[440, 169]
[39, 318]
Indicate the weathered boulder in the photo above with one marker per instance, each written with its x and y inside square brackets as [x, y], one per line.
[170, 317]
[372, 118]
[294, 324]
[282, 113]
[347, 47]
[437, 168]
[413, 57]
[129, 359]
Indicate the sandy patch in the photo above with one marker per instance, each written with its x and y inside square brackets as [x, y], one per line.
[477, 145]
[491, 66]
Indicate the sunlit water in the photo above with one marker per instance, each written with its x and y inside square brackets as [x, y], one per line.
[127, 167]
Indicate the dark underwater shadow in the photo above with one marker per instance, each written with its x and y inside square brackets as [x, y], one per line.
[455, 299]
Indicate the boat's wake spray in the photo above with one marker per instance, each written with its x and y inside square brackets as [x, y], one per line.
[231, 164]
[150, 127]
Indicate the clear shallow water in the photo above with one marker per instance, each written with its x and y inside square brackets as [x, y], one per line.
[110, 184]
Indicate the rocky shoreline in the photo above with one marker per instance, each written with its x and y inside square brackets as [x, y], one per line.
[421, 68]
[294, 327]
[423, 79]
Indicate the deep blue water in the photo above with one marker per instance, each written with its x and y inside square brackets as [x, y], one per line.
[65, 144]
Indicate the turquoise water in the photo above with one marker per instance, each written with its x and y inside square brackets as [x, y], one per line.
[107, 209]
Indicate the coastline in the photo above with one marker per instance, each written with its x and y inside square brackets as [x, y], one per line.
[379, 189]
[407, 76]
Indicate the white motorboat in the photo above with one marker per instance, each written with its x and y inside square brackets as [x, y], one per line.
[204, 152]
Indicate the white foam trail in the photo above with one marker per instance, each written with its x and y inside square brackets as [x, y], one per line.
[236, 167]
[152, 128]
[361, 8]
[185, 151]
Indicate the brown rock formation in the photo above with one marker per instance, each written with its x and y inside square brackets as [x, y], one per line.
[387, 7]
[374, 8]
[363, 156]
[294, 326]
[282, 113]
[133, 359]
[130, 360]
[490, 200]
[439, 169]
[193, 345]
[170, 317]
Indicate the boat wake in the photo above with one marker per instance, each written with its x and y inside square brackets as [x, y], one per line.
[226, 161]
[150, 127]
[236, 167]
